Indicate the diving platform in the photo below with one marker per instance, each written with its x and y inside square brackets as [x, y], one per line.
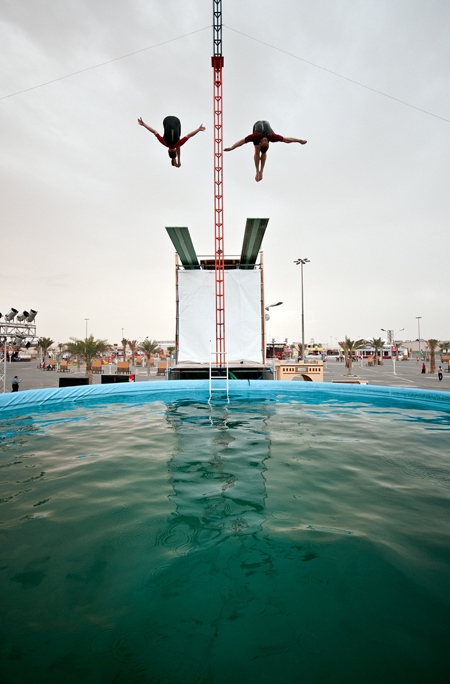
[255, 229]
[244, 315]
[245, 370]
[182, 242]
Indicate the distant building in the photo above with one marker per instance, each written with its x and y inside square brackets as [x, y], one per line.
[413, 345]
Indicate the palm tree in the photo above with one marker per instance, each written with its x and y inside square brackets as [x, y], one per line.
[171, 350]
[297, 346]
[344, 347]
[44, 343]
[444, 348]
[89, 348]
[432, 344]
[350, 347]
[377, 343]
[149, 347]
[76, 349]
[124, 343]
[132, 344]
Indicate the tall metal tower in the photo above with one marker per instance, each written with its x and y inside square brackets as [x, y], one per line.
[17, 334]
[217, 64]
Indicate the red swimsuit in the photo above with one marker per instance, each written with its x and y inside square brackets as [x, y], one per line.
[256, 138]
[173, 147]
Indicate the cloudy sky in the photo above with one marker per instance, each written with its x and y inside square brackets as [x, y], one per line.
[86, 193]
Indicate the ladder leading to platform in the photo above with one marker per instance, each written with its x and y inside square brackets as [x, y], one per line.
[219, 369]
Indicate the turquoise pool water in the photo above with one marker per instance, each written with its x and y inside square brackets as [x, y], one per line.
[268, 540]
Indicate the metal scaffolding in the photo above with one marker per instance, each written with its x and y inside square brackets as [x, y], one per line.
[13, 334]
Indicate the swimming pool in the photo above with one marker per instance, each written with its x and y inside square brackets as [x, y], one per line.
[297, 533]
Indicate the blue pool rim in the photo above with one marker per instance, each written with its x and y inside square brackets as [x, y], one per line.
[198, 390]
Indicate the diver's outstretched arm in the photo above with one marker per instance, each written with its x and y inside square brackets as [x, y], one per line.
[237, 144]
[197, 130]
[142, 123]
[289, 140]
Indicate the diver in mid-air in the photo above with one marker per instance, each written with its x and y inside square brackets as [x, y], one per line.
[171, 137]
[261, 137]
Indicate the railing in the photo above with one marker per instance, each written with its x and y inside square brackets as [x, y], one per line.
[220, 368]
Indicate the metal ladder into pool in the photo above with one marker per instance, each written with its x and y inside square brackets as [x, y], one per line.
[218, 377]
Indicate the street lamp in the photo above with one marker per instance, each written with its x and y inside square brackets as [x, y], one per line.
[302, 262]
[418, 325]
[267, 318]
[86, 319]
[391, 335]
[269, 307]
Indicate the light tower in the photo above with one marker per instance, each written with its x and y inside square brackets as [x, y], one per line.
[217, 64]
[16, 334]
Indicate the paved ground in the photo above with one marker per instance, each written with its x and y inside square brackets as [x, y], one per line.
[32, 377]
[408, 374]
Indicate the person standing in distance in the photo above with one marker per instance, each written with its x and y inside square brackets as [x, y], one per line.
[15, 384]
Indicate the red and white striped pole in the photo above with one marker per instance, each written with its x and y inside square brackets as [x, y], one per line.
[217, 64]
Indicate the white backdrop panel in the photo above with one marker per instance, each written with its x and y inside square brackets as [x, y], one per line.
[197, 315]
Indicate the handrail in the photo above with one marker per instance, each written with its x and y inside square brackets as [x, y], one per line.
[217, 377]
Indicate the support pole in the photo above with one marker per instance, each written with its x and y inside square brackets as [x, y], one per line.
[217, 64]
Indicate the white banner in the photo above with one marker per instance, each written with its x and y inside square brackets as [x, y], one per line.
[197, 316]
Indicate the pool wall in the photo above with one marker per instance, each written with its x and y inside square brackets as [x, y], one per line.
[238, 389]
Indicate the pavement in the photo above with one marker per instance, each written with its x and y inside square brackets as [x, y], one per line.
[33, 377]
[407, 374]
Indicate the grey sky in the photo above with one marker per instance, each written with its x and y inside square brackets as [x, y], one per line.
[87, 193]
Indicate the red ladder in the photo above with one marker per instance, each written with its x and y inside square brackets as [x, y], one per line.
[217, 64]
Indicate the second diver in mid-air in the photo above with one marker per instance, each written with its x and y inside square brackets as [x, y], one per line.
[261, 137]
[171, 137]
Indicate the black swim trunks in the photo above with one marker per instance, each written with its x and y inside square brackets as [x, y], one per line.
[263, 127]
[172, 130]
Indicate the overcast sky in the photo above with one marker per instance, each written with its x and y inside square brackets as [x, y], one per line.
[86, 193]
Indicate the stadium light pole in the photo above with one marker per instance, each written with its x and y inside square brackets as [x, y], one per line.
[302, 262]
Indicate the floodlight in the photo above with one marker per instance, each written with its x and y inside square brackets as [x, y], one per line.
[31, 316]
[11, 314]
[21, 317]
